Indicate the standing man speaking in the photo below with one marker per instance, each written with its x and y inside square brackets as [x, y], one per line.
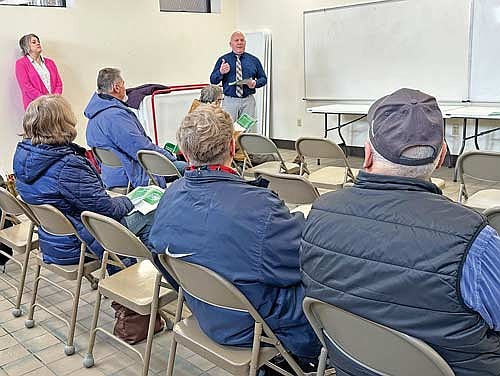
[236, 66]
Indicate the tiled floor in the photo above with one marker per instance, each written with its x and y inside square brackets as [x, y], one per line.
[40, 351]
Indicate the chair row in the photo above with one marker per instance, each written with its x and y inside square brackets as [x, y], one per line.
[154, 163]
[139, 287]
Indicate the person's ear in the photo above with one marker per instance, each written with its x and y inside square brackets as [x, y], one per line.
[232, 148]
[368, 162]
[442, 156]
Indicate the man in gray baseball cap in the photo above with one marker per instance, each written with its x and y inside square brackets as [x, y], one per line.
[394, 250]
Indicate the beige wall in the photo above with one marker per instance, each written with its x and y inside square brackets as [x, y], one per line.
[149, 46]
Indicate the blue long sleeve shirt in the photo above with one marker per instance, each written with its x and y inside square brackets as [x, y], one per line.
[480, 282]
[251, 68]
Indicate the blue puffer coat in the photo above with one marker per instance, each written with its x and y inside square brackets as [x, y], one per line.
[62, 176]
[247, 234]
[114, 126]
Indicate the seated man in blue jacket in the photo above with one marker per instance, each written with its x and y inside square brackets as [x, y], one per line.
[114, 126]
[240, 230]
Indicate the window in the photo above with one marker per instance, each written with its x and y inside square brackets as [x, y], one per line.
[194, 6]
[35, 3]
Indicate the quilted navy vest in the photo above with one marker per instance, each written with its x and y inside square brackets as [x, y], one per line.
[391, 249]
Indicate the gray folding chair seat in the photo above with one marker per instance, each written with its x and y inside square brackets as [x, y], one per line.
[371, 346]
[156, 164]
[493, 216]
[251, 143]
[329, 177]
[108, 158]
[293, 189]
[483, 167]
[20, 237]
[138, 287]
[209, 287]
[235, 360]
[54, 222]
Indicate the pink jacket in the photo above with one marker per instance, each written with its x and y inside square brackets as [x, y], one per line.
[31, 84]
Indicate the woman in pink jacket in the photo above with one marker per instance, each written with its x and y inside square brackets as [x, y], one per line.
[36, 75]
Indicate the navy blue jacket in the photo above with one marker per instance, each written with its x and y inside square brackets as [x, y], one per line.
[246, 234]
[62, 176]
[251, 68]
[114, 126]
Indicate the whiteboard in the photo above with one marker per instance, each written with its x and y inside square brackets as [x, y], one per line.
[485, 71]
[364, 51]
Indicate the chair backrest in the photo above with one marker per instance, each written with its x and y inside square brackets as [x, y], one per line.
[293, 189]
[106, 157]
[481, 165]
[318, 148]
[113, 236]
[209, 287]
[51, 220]
[9, 204]
[372, 346]
[253, 143]
[493, 216]
[155, 163]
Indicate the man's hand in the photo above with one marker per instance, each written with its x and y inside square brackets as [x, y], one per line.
[224, 67]
[252, 84]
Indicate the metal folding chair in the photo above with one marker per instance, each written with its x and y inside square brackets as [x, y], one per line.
[108, 158]
[371, 346]
[493, 216]
[293, 189]
[329, 177]
[54, 222]
[20, 237]
[138, 287]
[252, 143]
[209, 287]
[156, 164]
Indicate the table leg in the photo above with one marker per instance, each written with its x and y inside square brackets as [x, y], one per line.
[448, 153]
[464, 136]
[339, 127]
[476, 128]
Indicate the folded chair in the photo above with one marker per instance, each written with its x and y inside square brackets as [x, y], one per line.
[293, 189]
[482, 166]
[156, 164]
[252, 143]
[108, 158]
[207, 286]
[329, 177]
[138, 287]
[371, 346]
[20, 237]
[54, 222]
[493, 216]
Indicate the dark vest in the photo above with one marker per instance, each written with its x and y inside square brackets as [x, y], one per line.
[391, 250]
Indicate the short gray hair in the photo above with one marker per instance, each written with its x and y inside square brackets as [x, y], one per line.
[24, 43]
[205, 134]
[210, 94]
[106, 78]
[418, 172]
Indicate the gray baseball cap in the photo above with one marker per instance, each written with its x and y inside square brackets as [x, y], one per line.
[404, 119]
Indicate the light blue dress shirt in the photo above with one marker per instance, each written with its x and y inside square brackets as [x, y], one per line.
[480, 282]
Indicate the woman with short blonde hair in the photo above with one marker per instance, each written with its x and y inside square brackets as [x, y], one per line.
[51, 169]
[50, 120]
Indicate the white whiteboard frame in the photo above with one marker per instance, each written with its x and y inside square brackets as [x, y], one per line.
[469, 52]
